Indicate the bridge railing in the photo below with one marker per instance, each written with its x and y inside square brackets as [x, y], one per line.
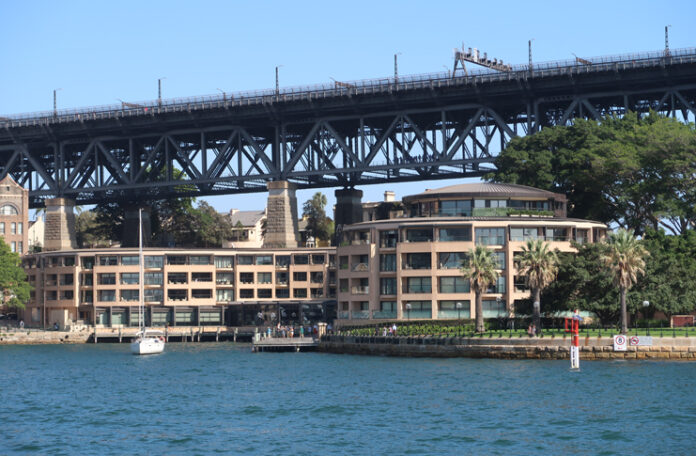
[358, 87]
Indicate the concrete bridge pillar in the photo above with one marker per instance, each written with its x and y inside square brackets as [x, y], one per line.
[348, 208]
[59, 231]
[281, 216]
[131, 224]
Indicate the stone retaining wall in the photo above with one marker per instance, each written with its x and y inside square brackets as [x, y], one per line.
[37, 337]
[672, 348]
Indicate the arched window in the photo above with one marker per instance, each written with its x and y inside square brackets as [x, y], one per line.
[8, 209]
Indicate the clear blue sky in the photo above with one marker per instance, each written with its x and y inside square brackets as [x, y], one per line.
[100, 51]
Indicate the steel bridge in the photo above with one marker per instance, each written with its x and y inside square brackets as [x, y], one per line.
[410, 128]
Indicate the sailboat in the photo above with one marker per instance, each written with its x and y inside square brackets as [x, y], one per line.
[147, 341]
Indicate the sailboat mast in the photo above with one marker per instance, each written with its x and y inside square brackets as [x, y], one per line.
[141, 287]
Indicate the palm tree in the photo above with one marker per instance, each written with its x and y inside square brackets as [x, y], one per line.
[625, 258]
[479, 268]
[539, 265]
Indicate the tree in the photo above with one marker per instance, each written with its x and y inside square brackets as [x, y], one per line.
[13, 279]
[318, 224]
[539, 265]
[636, 171]
[207, 227]
[583, 282]
[87, 231]
[625, 259]
[479, 267]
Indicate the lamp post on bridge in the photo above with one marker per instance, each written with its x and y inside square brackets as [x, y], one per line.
[396, 68]
[159, 91]
[277, 92]
[55, 103]
[224, 96]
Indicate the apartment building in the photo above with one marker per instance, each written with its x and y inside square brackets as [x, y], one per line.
[181, 287]
[409, 267]
[14, 215]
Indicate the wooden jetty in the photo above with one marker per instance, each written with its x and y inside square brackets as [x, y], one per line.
[280, 344]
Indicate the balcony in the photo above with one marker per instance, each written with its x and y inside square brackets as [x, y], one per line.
[344, 315]
[384, 314]
[360, 267]
[360, 314]
[360, 290]
[360, 242]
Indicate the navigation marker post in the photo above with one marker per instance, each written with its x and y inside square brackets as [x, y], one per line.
[572, 325]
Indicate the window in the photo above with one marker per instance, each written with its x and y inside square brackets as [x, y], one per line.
[224, 295]
[523, 234]
[177, 295]
[66, 279]
[454, 285]
[13, 228]
[130, 260]
[177, 277]
[418, 261]
[177, 260]
[556, 234]
[282, 293]
[299, 276]
[318, 259]
[498, 286]
[387, 262]
[130, 295]
[204, 293]
[246, 293]
[490, 236]
[282, 261]
[360, 262]
[67, 294]
[387, 306]
[107, 279]
[299, 292]
[316, 277]
[199, 259]
[282, 278]
[245, 259]
[451, 260]
[449, 309]
[387, 285]
[265, 293]
[582, 236]
[224, 278]
[493, 308]
[8, 209]
[343, 285]
[246, 277]
[2, 227]
[130, 278]
[388, 239]
[418, 285]
[107, 295]
[343, 262]
[301, 259]
[201, 277]
[499, 258]
[264, 260]
[264, 277]
[87, 279]
[69, 261]
[419, 235]
[418, 306]
[224, 262]
[455, 234]
[154, 278]
[108, 261]
[455, 208]
[154, 262]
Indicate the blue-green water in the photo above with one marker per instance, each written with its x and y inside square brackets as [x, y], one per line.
[220, 398]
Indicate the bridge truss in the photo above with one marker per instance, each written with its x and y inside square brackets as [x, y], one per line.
[417, 128]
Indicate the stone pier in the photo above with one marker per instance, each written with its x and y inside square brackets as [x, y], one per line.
[131, 222]
[59, 232]
[281, 219]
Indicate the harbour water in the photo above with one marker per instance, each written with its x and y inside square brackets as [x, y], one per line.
[223, 399]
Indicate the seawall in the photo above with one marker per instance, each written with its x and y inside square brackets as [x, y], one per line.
[591, 348]
[40, 337]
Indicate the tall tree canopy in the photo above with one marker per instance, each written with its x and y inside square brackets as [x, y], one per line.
[13, 280]
[318, 224]
[637, 172]
[480, 268]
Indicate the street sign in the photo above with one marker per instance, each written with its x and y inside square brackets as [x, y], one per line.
[645, 341]
[620, 343]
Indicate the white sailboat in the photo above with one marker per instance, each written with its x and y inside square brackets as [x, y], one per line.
[147, 341]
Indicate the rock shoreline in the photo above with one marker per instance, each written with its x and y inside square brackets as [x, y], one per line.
[591, 348]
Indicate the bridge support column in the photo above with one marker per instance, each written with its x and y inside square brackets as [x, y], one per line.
[130, 235]
[348, 209]
[59, 232]
[281, 216]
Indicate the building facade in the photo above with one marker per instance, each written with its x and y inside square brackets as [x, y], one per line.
[409, 267]
[182, 287]
[14, 215]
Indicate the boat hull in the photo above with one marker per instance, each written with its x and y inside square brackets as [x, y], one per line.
[148, 346]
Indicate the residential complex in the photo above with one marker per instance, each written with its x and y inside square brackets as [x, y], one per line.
[409, 267]
[235, 287]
